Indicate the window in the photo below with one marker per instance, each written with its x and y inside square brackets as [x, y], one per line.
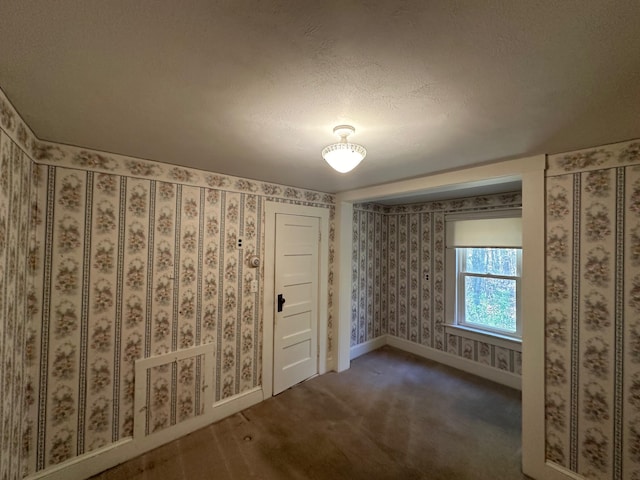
[488, 289]
[484, 267]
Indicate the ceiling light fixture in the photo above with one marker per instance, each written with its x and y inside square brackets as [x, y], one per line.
[344, 156]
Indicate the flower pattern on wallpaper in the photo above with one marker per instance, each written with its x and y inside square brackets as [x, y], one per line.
[615, 155]
[557, 201]
[16, 349]
[66, 319]
[16, 130]
[69, 238]
[88, 159]
[97, 232]
[394, 249]
[165, 273]
[108, 166]
[105, 218]
[592, 222]
[106, 183]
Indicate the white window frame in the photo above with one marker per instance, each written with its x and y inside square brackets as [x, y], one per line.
[459, 315]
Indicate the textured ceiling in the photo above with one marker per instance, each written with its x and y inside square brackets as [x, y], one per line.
[254, 88]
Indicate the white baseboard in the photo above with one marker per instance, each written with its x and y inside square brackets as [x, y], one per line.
[554, 471]
[499, 376]
[368, 346]
[92, 463]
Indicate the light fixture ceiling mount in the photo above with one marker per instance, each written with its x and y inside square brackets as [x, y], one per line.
[344, 156]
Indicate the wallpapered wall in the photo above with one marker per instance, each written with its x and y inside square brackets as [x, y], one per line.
[129, 268]
[95, 298]
[15, 175]
[128, 258]
[394, 248]
[133, 268]
[369, 273]
[593, 311]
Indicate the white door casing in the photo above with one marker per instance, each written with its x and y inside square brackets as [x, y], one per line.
[531, 173]
[324, 360]
[295, 348]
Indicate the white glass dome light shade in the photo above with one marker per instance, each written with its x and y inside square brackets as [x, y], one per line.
[344, 156]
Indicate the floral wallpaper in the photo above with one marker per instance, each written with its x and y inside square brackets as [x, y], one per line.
[174, 393]
[83, 159]
[593, 311]
[369, 274]
[398, 277]
[15, 190]
[105, 259]
[112, 259]
[129, 268]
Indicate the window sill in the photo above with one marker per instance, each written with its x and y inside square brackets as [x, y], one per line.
[484, 336]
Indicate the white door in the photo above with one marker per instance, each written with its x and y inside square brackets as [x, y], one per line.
[295, 339]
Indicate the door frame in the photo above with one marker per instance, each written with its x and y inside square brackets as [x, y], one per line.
[268, 304]
[531, 171]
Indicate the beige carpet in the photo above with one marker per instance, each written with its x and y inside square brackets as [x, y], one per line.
[391, 416]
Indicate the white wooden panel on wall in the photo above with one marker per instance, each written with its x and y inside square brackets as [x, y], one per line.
[144, 366]
[342, 283]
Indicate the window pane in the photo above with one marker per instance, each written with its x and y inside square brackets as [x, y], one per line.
[495, 261]
[490, 302]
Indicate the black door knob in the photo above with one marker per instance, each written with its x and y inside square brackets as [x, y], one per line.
[281, 301]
